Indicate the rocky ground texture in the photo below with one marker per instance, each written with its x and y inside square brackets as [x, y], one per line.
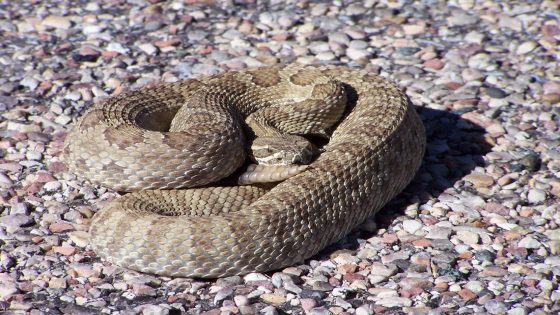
[478, 231]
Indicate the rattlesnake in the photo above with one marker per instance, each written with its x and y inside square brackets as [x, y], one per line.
[376, 143]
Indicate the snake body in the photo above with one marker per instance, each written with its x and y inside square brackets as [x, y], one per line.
[375, 146]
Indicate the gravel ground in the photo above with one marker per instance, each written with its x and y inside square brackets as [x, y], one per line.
[478, 231]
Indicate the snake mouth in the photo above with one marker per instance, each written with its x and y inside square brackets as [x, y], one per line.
[156, 120]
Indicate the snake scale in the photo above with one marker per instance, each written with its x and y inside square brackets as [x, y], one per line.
[193, 133]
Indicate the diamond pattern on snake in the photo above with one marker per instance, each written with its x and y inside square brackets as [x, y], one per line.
[244, 171]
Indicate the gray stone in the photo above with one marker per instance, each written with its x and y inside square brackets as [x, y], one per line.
[394, 301]
[365, 309]
[494, 92]
[15, 220]
[536, 195]
[529, 242]
[223, 294]
[517, 311]
[438, 232]
[7, 289]
[29, 83]
[19, 208]
[154, 310]
[411, 226]
[495, 307]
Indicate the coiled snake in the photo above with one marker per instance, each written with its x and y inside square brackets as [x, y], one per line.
[371, 142]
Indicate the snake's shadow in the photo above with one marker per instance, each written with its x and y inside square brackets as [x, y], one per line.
[455, 146]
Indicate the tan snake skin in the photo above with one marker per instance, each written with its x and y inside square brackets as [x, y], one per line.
[123, 143]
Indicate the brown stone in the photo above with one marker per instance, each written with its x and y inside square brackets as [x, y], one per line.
[351, 277]
[467, 294]
[347, 268]
[389, 238]
[411, 283]
[477, 119]
[435, 64]
[143, 289]
[60, 227]
[442, 286]
[492, 271]
[44, 177]
[465, 255]
[529, 282]
[497, 208]
[64, 250]
[273, 298]
[109, 54]
[408, 293]
[454, 86]
[550, 30]
[57, 283]
[479, 180]
[422, 242]
[512, 235]
[526, 212]
[167, 43]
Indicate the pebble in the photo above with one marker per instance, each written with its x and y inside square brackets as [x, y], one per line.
[414, 29]
[83, 270]
[7, 102]
[517, 311]
[526, 47]
[7, 289]
[57, 283]
[19, 208]
[273, 298]
[154, 310]
[365, 309]
[356, 53]
[511, 23]
[15, 221]
[485, 255]
[460, 18]
[223, 294]
[148, 48]
[143, 290]
[494, 271]
[471, 75]
[395, 302]
[435, 64]
[52, 186]
[494, 92]
[29, 83]
[529, 242]
[64, 250]
[55, 21]
[92, 29]
[411, 226]
[479, 180]
[117, 47]
[60, 227]
[536, 196]
[308, 304]
[495, 307]
[255, 277]
[437, 232]
[466, 294]
[63, 119]
[468, 237]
